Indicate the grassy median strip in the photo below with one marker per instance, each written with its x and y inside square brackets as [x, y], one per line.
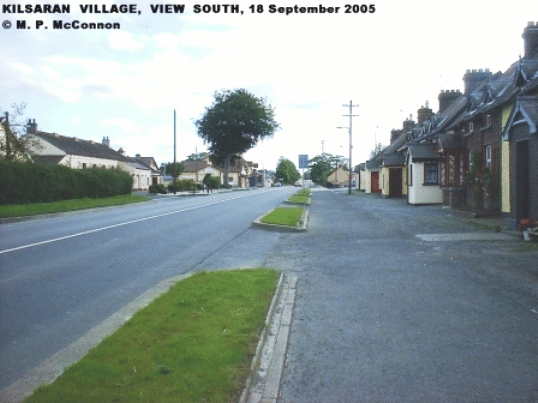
[24, 210]
[301, 197]
[193, 344]
[289, 216]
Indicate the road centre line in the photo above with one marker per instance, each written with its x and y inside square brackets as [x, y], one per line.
[62, 238]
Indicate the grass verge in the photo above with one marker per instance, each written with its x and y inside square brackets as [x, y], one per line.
[24, 210]
[193, 344]
[301, 197]
[289, 216]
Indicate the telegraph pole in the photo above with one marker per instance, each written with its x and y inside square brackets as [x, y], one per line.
[351, 106]
[174, 170]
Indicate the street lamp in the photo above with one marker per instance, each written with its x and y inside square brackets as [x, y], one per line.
[350, 148]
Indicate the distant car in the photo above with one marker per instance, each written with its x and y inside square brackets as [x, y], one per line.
[277, 184]
[298, 183]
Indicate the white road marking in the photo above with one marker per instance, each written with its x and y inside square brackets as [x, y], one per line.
[62, 238]
[469, 236]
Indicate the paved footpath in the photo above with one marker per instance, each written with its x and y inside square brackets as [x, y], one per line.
[388, 310]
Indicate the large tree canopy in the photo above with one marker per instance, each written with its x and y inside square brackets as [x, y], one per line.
[322, 165]
[286, 171]
[233, 124]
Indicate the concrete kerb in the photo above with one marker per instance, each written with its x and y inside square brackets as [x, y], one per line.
[279, 314]
[263, 384]
[53, 367]
[303, 222]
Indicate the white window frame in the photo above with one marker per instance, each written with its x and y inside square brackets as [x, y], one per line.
[488, 156]
[427, 173]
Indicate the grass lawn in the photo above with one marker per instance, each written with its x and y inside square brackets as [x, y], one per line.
[23, 210]
[289, 216]
[193, 344]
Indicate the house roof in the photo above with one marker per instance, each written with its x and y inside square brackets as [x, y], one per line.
[85, 148]
[193, 166]
[48, 159]
[525, 111]
[394, 159]
[423, 151]
[372, 164]
[449, 140]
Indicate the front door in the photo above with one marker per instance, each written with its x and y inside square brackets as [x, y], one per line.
[375, 182]
[522, 180]
[395, 182]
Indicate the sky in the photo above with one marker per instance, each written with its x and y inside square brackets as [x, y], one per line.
[126, 83]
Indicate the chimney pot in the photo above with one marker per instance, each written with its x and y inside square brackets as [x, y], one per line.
[530, 40]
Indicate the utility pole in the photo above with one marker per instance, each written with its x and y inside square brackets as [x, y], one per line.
[174, 170]
[351, 106]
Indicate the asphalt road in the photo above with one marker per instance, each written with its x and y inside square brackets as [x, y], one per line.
[382, 315]
[61, 276]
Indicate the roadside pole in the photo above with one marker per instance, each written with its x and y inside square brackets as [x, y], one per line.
[350, 140]
[174, 170]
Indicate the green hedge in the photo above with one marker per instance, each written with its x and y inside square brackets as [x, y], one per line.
[23, 183]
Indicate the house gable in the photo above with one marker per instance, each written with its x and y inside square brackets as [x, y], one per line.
[525, 112]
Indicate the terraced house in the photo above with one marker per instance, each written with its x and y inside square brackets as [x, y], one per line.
[52, 148]
[480, 150]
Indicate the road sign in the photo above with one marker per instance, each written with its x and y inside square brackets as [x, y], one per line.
[303, 161]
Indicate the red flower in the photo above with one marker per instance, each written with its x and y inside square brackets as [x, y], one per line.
[524, 223]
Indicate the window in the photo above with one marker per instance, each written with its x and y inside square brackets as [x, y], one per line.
[431, 173]
[410, 174]
[488, 156]
[471, 159]
[471, 127]
[488, 120]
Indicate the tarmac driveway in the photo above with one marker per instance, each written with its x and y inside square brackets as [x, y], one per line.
[385, 315]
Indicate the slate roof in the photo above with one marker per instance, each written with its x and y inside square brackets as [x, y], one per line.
[85, 148]
[423, 151]
[393, 159]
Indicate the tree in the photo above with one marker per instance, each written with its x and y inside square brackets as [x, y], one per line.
[377, 149]
[197, 156]
[11, 146]
[169, 168]
[233, 124]
[322, 165]
[287, 171]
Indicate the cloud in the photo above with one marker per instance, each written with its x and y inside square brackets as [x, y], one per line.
[124, 41]
[125, 124]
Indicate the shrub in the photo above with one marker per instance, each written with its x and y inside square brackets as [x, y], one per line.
[158, 188]
[23, 183]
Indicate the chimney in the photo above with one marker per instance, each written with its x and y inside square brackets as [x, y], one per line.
[473, 78]
[394, 134]
[31, 127]
[106, 141]
[424, 113]
[447, 97]
[530, 39]
[408, 124]
[137, 156]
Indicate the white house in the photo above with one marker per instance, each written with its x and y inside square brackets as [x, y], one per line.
[52, 148]
[423, 176]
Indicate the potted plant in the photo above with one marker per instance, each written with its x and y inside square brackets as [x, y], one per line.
[530, 229]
